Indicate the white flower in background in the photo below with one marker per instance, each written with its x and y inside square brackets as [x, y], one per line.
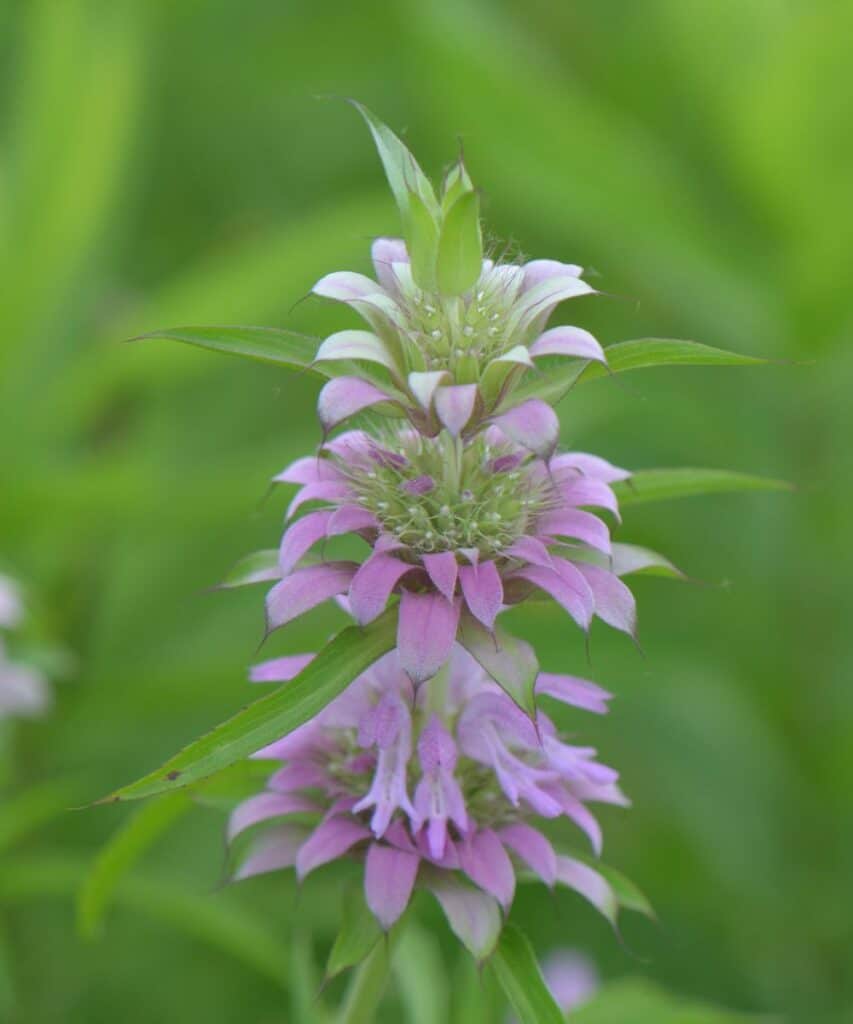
[11, 605]
[23, 690]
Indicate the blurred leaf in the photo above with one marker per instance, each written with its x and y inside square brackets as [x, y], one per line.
[120, 853]
[267, 344]
[358, 934]
[460, 247]
[421, 977]
[368, 986]
[514, 965]
[75, 117]
[305, 1004]
[7, 984]
[259, 567]
[509, 661]
[666, 484]
[202, 917]
[472, 998]
[31, 808]
[640, 1002]
[352, 651]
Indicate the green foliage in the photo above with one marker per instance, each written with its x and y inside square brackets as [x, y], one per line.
[352, 651]
[514, 965]
[267, 344]
[460, 249]
[359, 933]
[642, 1003]
[554, 377]
[120, 854]
[666, 484]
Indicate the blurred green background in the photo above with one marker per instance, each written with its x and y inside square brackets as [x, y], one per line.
[170, 162]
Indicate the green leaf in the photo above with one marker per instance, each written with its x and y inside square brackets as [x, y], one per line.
[23, 812]
[515, 967]
[305, 1002]
[667, 484]
[460, 247]
[630, 560]
[358, 934]
[422, 243]
[212, 921]
[349, 654]
[640, 1002]
[120, 853]
[628, 894]
[555, 376]
[367, 988]
[644, 353]
[551, 379]
[509, 661]
[258, 567]
[267, 344]
[401, 169]
[419, 973]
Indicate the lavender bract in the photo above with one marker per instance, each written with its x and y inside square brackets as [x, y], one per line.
[458, 528]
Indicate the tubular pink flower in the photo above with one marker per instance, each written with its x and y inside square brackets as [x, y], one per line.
[451, 361]
[480, 771]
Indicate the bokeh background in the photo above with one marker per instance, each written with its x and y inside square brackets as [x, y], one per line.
[167, 163]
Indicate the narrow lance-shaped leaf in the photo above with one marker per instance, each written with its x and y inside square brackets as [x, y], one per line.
[258, 567]
[359, 933]
[367, 987]
[460, 247]
[266, 344]
[555, 376]
[628, 894]
[120, 853]
[666, 484]
[514, 965]
[349, 654]
[630, 560]
[644, 353]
